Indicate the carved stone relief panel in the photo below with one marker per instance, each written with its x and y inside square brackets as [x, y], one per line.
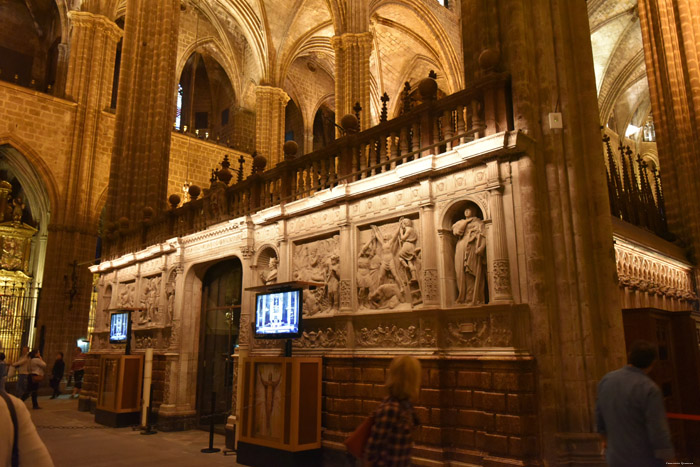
[494, 330]
[319, 261]
[389, 265]
[170, 296]
[313, 222]
[322, 338]
[393, 335]
[127, 295]
[150, 300]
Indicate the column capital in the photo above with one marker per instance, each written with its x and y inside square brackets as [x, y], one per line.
[343, 41]
[271, 92]
[84, 19]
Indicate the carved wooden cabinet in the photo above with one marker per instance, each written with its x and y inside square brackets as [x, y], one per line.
[119, 394]
[281, 411]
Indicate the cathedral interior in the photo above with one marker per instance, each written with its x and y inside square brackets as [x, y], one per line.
[501, 188]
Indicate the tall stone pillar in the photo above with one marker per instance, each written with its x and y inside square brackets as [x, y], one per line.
[145, 110]
[564, 215]
[65, 299]
[352, 76]
[671, 37]
[270, 103]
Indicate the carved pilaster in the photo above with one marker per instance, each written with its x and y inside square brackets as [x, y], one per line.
[499, 267]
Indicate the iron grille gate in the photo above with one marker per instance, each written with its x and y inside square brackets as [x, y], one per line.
[17, 318]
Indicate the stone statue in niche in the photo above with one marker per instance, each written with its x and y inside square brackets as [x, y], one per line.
[470, 258]
[388, 266]
[269, 276]
[149, 300]
[170, 294]
[319, 261]
[17, 210]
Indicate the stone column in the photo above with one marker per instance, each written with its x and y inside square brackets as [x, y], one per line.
[563, 216]
[428, 241]
[270, 103]
[671, 37]
[59, 86]
[347, 267]
[352, 76]
[145, 110]
[65, 298]
[499, 267]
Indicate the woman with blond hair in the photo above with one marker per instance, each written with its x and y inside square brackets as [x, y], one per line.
[391, 438]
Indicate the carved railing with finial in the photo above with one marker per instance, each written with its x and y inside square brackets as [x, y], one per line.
[433, 127]
[633, 197]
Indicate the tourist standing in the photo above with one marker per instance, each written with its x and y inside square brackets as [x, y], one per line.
[391, 437]
[37, 365]
[77, 369]
[59, 367]
[20, 443]
[630, 413]
[22, 368]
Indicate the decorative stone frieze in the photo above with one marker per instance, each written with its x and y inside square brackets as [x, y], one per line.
[390, 335]
[494, 330]
[322, 338]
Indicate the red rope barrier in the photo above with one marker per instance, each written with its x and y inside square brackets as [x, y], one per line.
[683, 416]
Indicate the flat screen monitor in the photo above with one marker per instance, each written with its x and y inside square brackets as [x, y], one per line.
[119, 327]
[278, 314]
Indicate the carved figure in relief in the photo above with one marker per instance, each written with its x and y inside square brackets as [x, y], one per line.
[126, 295]
[470, 258]
[388, 267]
[149, 301]
[319, 261]
[12, 254]
[270, 276]
[17, 209]
[408, 237]
[333, 280]
[170, 294]
[270, 385]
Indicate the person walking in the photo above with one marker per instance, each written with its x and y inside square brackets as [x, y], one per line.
[3, 372]
[77, 370]
[37, 365]
[22, 369]
[630, 414]
[391, 437]
[59, 367]
[20, 443]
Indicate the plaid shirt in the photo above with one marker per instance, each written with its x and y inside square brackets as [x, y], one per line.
[391, 439]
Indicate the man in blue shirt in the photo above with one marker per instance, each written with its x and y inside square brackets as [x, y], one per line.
[630, 413]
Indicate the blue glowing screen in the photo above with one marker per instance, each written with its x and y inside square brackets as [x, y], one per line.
[278, 315]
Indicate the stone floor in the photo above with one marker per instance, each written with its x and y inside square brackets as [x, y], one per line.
[74, 439]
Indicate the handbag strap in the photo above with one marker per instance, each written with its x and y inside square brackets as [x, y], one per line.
[13, 416]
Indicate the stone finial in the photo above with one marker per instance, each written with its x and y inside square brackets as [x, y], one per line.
[148, 213]
[350, 123]
[259, 163]
[488, 59]
[224, 174]
[406, 97]
[174, 200]
[357, 108]
[123, 224]
[241, 161]
[290, 149]
[385, 112]
[428, 87]
[194, 192]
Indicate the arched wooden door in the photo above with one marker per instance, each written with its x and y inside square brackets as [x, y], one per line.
[221, 314]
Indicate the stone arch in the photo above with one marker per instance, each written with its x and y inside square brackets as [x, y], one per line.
[40, 189]
[212, 46]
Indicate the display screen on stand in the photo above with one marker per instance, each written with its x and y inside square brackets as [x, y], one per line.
[119, 327]
[278, 314]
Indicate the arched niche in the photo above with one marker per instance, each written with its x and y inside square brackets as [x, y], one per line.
[454, 243]
[267, 265]
[294, 124]
[323, 127]
[207, 102]
[29, 43]
[15, 166]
